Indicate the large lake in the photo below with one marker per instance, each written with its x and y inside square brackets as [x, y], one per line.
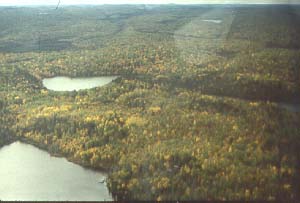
[28, 173]
[71, 84]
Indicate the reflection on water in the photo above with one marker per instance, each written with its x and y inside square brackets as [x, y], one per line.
[71, 84]
[28, 173]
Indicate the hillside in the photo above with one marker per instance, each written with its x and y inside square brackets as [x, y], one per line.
[199, 108]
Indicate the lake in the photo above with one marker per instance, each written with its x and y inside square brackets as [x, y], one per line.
[28, 173]
[213, 21]
[71, 84]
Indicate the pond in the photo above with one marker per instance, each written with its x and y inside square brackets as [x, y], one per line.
[71, 84]
[213, 21]
[28, 173]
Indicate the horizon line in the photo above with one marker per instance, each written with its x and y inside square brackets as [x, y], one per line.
[98, 4]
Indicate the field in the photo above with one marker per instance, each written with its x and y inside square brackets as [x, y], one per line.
[197, 112]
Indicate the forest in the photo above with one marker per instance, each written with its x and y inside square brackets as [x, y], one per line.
[198, 110]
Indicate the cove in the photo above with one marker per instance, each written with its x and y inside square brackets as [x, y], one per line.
[28, 173]
[70, 84]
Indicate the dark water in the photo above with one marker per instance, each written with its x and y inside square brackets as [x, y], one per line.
[290, 107]
[28, 173]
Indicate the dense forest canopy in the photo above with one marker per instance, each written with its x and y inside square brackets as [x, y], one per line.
[197, 111]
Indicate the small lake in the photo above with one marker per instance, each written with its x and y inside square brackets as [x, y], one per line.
[28, 173]
[71, 84]
[213, 21]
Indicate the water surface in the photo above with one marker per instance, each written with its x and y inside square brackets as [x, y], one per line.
[28, 173]
[290, 107]
[213, 21]
[71, 84]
